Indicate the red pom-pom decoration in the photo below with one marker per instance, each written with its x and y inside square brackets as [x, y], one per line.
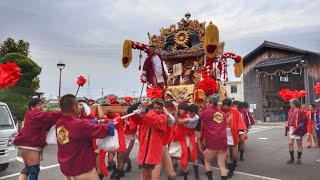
[317, 88]
[154, 92]
[81, 81]
[10, 73]
[208, 85]
[128, 99]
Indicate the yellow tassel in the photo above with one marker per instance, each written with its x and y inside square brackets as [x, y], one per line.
[222, 92]
[126, 53]
[238, 68]
[211, 40]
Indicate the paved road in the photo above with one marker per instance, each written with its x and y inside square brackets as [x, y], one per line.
[265, 158]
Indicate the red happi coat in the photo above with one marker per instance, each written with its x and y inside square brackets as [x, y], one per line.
[149, 71]
[216, 124]
[301, 120]
[179, 134]
[131, 127]
[236, 123]
[120, 130]
[36, 123]
[75, 151]
[166, 139]
[247, 117]
[152, 131]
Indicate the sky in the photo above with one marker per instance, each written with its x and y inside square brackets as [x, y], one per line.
[87, 35]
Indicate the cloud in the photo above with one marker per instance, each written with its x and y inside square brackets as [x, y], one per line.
[88, 35]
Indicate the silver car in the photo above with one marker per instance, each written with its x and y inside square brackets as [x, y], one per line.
[8, 130]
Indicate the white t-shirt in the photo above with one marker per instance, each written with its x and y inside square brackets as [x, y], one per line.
[193, 122]
[157, 65]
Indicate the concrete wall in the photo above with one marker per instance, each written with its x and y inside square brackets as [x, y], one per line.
[239, 96]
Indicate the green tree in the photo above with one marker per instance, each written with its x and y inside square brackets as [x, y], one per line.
[17, 97]
[9, 46]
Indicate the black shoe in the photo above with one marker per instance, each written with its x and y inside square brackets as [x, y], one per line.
[119, 175]
[111, 167]
[128, 168]
[101, 176]
[231, 168]
[114, 173]
[175, 166]
[181, 173]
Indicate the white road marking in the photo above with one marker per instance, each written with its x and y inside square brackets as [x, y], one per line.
[49, 167]
[17, 174]
[243, 173]
[20, 159]
[263, 138]
[10, 175]
[251, 132]
[254, 175]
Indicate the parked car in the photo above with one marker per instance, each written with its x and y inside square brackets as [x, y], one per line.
[8, 130]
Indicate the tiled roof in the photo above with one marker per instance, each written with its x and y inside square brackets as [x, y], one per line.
[273, 61]
[269, 44]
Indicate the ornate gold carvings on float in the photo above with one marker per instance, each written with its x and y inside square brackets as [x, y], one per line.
[179, 93]
[184, 25]
[181, 38]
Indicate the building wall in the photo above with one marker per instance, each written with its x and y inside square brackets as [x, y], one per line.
[239, 96]
[313, 73]
[252, 82]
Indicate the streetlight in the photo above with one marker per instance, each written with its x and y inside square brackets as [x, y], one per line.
[60, 65]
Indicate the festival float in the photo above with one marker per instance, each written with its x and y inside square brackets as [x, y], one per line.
[195, 61]
[194, 57]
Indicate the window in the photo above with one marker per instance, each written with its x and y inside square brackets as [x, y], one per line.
[5, 118]
[233, 88]
[284, 79]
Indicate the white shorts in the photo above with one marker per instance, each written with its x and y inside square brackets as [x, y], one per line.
[292, 136]
[175, 149]
[129, 138]
[230, 137]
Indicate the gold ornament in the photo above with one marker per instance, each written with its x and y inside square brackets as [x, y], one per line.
[238, 68]
[211, 40]
[126, 53]
[181, 38]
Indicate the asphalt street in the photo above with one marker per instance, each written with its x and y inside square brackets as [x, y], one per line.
[265, 158]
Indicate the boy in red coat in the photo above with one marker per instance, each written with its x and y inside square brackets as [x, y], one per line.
[216, 135]
[169, 111]
[248, 120]
[152, 131]
[190, 125]
[32, 137]
[234, 124]
[178, 146]
[297, 127]
[75, 151]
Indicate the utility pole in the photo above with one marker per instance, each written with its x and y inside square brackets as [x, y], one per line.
[134, 93]
[102, 93]
[89, 94]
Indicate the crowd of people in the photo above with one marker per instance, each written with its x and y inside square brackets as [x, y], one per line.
[169, 135]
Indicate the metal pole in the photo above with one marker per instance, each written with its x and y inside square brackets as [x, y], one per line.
[59, 86]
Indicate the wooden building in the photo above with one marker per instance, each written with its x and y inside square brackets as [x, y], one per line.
[272, 67]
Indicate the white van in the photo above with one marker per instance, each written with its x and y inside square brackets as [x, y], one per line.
[8, 130]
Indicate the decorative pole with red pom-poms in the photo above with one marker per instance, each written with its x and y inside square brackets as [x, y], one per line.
[81, 81]
[10, 74]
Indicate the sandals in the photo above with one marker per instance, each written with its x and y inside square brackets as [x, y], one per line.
[290, 161]
[299, 161]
